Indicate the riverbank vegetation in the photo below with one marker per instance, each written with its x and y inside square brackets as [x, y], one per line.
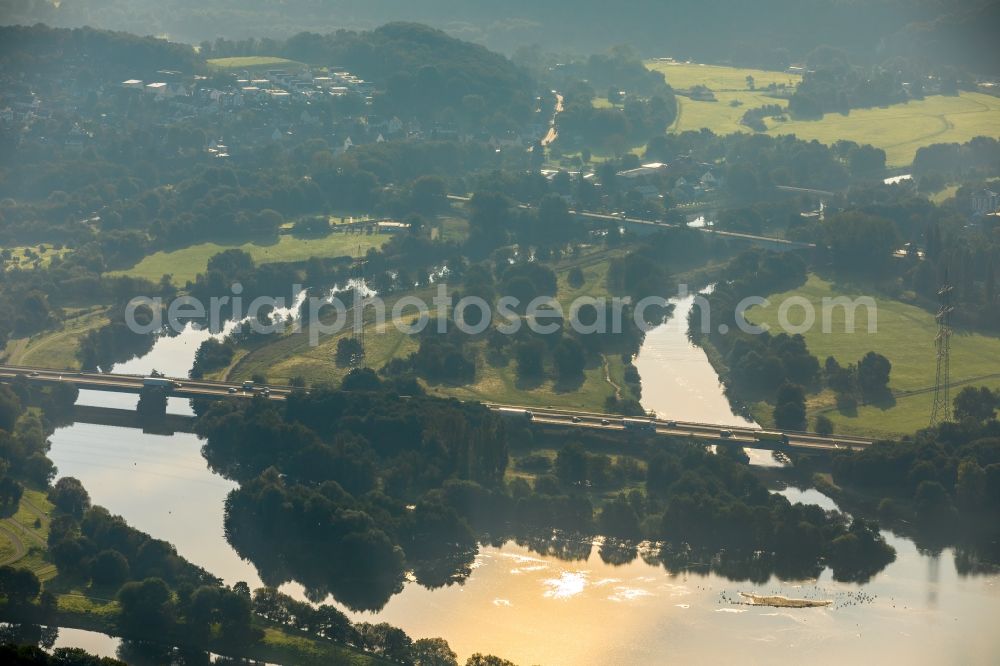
[944, 481]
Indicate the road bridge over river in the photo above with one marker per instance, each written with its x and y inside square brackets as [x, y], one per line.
[538, 416]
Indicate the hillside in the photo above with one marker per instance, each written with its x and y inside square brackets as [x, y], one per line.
[761, 32]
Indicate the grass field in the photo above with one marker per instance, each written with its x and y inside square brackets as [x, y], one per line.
[23, 535]
[251, 62]
[496, 379]
[720, 116]
[903, 128]
[905, 335]
[899, 129]
[186, 263]
[55, 349]
[684, 75]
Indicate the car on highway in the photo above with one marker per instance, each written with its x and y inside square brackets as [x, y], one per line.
[232, 389]
[33, 373]
[726, 434]
[605, 422]
[576, 419]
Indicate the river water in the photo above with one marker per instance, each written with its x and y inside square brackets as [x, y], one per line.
[678, 382]
[539, 609]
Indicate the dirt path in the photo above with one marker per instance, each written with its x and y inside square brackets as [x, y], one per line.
[607, 377]
[19, 549]
[553, 132]
[39, 514]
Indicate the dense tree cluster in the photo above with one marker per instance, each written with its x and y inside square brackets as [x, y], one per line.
[113, 55]
[88, 543]
[32, 655]
[832, 84]
[377, 453]
[426, 73]
[979, 156]
[212, 355]
[945, 480]
[758, 161]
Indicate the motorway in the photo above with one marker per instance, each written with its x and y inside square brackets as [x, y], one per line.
[606, 217]
[200, 388]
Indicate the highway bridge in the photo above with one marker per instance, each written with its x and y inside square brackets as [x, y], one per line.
[640, 226]
[538, 416]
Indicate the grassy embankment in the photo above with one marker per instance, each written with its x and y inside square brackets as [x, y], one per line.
[496, 379]
[23, 543]
[56, 348]
[899, 129]
[905, 335]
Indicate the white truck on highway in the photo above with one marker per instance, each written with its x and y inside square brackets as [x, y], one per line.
[160, 382]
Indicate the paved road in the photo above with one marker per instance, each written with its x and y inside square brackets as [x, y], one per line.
[716, 433]
[191, 388]
[605, 217]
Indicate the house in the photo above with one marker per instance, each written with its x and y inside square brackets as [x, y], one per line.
[132, 84]
[985, 202]
[344, 147]
[650, 169]
[708, 180]
[160, 90]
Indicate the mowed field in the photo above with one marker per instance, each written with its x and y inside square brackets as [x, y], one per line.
[250, 62]
[899, 129]
[905, 335]
[184, 264]
[684, 75]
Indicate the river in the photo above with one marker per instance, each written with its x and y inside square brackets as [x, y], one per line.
[538, 609]
[678, 382]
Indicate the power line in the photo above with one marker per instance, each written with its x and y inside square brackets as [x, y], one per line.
[358, 360]
[941, 411]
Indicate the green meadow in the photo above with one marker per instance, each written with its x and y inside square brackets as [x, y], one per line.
[250, 62]
[905, 335]
[184, 264]
[899, 129]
